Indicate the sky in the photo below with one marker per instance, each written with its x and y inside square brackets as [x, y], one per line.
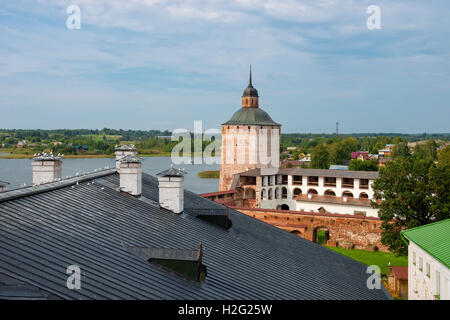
[162, 64]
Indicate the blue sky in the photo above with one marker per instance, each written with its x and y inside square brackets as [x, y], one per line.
[161, 64]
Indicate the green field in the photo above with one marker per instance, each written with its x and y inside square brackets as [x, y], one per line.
[209, 174]
[378, 258]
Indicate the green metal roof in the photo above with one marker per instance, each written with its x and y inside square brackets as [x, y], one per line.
[251, 116]
[434, 238]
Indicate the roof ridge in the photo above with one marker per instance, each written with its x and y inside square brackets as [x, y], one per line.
[32, 190]
[426, 225]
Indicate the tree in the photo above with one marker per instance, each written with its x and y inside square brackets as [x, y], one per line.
[401, 150]
[444, 156]
[361, 165]
[427, 150]
[338, 154]
[320, 159]
[415, 192]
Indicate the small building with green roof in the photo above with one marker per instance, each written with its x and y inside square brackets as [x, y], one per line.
[429, 261]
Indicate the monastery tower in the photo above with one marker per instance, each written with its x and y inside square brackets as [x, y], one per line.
[250, 139]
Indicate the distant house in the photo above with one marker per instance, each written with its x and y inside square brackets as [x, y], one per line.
[360, 155]
[291, 148]
[386, 151]
[81, 149]
[287, 163]
[306, 159]
[382, 161]
[398, 281]
[21, 144]
[429, 261]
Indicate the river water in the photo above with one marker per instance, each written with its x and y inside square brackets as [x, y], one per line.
[18, 171]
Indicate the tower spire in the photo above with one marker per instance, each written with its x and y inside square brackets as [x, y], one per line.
[250, 96]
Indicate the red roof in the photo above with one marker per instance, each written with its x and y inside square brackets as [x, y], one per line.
[384, 160]
[400, 272]
[357, 153]
[218, 193]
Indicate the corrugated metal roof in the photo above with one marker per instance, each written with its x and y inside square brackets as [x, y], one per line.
[42, 233]
[434, 238]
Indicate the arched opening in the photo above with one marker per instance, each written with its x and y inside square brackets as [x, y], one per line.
[363, 195]
[297, 233]
[284, 193]
[263, 194]
[270, 194]
[329, 193]
[322, 210]
[296, 192]
[250, 193]
[347, 194]
[312, 191]
[277, 193]
[321, 235]
[284, 207]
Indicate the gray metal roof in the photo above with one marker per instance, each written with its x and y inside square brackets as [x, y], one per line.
[371, 175]
[91, 224]
[251, 116]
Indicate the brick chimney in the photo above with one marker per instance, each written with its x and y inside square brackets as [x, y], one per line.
[46, 168]
[123, 151]
[130, 171]
[171, 189]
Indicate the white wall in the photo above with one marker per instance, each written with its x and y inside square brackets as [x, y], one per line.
[131, 178]
[307, 205]
[171, 193]
[46, 171]
[420, 286]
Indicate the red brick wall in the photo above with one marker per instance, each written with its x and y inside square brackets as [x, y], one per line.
[344, 230]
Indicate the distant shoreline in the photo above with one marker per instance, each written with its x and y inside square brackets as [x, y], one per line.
[80, 156]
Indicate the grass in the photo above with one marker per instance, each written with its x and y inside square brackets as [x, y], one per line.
[209, 174]
[378, 258]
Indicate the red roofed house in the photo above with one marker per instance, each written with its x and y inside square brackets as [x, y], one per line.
[398, 281]
[360, 155]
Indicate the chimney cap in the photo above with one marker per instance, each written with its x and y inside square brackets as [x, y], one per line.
[125, 147]
[44, 156]
[172, 172]
[130, 159]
